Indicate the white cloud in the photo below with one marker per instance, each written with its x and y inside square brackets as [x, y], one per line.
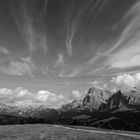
[5, 91]
[22, 93]
[23, 103]
[51, 99]
[22, 97]
[98, 84]
[44, 95]
[76, 94]
[127, 80]
[4, 50]
[20, 68]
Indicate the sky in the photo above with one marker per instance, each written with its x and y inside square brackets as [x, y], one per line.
[52, 51]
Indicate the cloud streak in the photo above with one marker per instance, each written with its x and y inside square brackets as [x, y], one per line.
[126, 53]
[70, 35]
[72, 22]
[4, 50]
[31, 26]
[35, 39]
[19, 68]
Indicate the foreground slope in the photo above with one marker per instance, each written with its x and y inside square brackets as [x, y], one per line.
[50, 132]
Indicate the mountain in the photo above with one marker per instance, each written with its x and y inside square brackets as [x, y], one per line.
[74, 105]
[95, 98]
[119, 99]
[15, 115]
[104, 109]
[99, 108]
[92, 101]
[98, 99]
[38, 112]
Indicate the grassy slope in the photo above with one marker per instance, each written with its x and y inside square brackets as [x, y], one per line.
[49, 132]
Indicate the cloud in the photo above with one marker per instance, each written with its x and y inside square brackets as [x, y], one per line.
[30, 23]
[46, 71]
[76, 94]
[72, 25]
[126, 52]
[34, 39]
[74, 73]
[45, 6]
[44, 96]
[20, 68]
[70, 35]
[5, 91]
[60, 61]
[4, 50]
[22, 97]
[98, 84]
[60, 66]
[127, 80]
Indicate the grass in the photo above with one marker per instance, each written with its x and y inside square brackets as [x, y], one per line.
[49, 132]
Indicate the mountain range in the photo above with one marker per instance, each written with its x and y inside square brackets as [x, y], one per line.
[99, 108]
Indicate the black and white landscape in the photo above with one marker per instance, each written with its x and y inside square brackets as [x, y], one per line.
[99, 108]
[70, 69]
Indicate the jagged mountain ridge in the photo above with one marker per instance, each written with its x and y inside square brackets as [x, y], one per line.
[98, 99]
[99, 108]
[108, 110]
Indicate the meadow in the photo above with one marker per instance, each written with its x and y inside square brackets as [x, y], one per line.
[56, 132]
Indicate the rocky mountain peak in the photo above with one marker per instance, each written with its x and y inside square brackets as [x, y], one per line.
[95, 97]
[119, 99]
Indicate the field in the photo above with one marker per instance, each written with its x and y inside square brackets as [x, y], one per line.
[56, 132]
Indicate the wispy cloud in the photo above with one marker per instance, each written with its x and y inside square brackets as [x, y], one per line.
[19, 68]
[30, 24]
[45, 6]
[72, 25]
[70, 35]
[72, 73]
[98, 84]
[126, 53]
[35, 39]
[4, 50]
[60, 60]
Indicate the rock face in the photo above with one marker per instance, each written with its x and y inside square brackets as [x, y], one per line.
[93, 101]
[75, 104]
[95, 98]
[98, 99]
[104, 109]
[118, 99]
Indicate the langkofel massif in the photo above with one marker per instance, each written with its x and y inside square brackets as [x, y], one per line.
[99, 108]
